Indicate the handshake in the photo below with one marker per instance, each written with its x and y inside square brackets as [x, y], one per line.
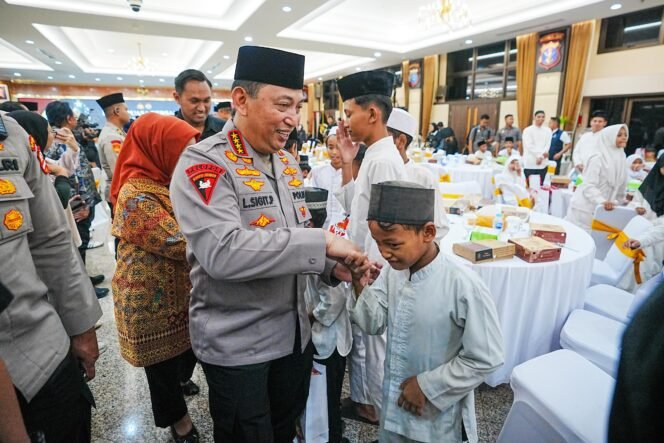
[352, 264]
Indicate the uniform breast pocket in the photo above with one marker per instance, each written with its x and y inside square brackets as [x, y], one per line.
[15, 217]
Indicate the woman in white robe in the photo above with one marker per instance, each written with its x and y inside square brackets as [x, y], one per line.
[512, 184]
[604, 178]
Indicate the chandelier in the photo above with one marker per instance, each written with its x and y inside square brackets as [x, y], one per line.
[449, 14]
[140, 64]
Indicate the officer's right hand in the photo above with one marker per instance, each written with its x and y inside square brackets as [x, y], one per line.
[338, 247]
[85, 349]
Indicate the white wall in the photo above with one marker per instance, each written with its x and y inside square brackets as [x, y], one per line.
[440, 113]
[546, 93]
[507, 107]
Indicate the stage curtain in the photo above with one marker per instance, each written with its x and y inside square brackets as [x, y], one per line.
[429, 84]
[525, 77]
[577, 61]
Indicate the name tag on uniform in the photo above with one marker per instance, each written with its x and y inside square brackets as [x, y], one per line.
[257, 201]
[9, 165]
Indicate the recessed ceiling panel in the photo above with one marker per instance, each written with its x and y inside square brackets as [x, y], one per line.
[220, 14]
[14, 58]
[110, 52]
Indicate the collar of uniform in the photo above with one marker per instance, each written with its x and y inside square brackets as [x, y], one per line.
[120, 131]
[376, 150]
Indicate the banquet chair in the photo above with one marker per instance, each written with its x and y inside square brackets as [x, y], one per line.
[618, 304]
[558, 397]
[595, 338]
[615, 265]
[459, 189]
[617, 218]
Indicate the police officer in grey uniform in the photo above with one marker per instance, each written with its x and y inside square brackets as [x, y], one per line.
[239, 200]
[47, 335]
[112, 135]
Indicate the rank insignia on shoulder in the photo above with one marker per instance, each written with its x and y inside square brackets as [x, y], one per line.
[13, 220]
[7, 187]
[237, 143]
[42, 162]
[281, 153]
[290, 171]
[204, 177]
[284, 160]
[248, 172]
[254, 184]
[116, 145]
[249, 161]
[262, 221]
[295, 182]
[231, 156]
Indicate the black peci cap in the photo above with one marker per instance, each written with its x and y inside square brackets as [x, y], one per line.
[222, 105]
[270, 66]
[386, 203]
[110, 100]
[365, 83]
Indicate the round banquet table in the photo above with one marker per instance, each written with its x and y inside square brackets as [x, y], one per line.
[560, 199]
[475, 173]
[533, 299]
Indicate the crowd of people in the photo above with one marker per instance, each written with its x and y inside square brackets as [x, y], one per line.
[233, 253]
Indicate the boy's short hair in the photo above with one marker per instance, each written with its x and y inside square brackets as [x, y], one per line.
[481, 143]
[538, 112]
[509, 139]
[509, 115]
[382, 102]
[600, 113]
[385, 226]
[485, 117]
[395, 133]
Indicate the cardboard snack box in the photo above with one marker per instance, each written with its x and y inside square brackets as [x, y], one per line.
[473, 252]
[501, 250]
[536, 250]
[550, 233]
[561, 181]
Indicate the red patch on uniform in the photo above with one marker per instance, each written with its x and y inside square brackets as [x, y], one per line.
[33, 143]
[303, 211]
[42, 162]
[204, 177]
[116, 145]
[237, 143]
[281, 153]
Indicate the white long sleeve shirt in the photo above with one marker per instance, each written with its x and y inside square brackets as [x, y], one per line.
[585, 147]
[536, 143]
[382, 162]
[442, 327]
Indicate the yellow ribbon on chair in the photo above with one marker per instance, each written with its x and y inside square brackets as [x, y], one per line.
[620, 238]
[497, 192]
[452, 196]
[526, 203]
[445, 178]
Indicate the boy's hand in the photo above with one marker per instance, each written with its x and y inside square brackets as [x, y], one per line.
[358, 263]
[640, 211]
[412, 399]
[347, 148]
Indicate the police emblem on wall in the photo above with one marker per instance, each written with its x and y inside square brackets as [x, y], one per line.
[414, 75]
[550, 54]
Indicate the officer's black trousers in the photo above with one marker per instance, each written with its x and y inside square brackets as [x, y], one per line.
[260, 402]
[83, 227]
[61, 410]
[168, 405]
[335, 368]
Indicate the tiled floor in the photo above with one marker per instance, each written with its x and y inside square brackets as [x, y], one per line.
[123, 411]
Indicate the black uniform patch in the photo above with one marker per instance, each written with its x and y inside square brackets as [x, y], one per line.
[9, 164]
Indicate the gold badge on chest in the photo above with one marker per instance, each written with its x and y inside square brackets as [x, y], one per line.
[7, 187]
[13, 219]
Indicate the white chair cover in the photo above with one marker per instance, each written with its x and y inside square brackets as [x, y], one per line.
[596, 338]
[618, 218]
[613, 267]
[609, 301]
[558, 397]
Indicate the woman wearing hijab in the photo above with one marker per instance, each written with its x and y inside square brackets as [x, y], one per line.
[649, 202]
[635, 167]
[512, 184]
[151, 282]
[604, 177]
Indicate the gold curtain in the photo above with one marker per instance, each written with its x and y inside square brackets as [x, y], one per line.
[429, 82]
[311, 98]
[404, 82]
[525, 77]
[575, 74]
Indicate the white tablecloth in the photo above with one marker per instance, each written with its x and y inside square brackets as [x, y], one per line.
[533, 299]
[560, 199]
[480, 174]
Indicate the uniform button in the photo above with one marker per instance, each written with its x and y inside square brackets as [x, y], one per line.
[312, 260]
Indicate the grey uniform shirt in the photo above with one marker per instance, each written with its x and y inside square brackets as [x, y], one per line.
[513, 132]
[110, 141]
[243, 218]
[40, 266]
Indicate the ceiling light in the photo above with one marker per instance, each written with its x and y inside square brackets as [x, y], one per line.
[320, 78]
[616, 6]
[161, 80]
[358, 69]
[226, 57]
[71, 76]
[287, 9]
[58, 62]
[17, 74]
[643, 26]
[248, 39]
[377, 54]
[30, 42]
[119, 78]
[447, 14]
[209, 71]
[164, 54]
[216, 84]
[50, 77]
[110, 51]
[97, 79]
[468, 42]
